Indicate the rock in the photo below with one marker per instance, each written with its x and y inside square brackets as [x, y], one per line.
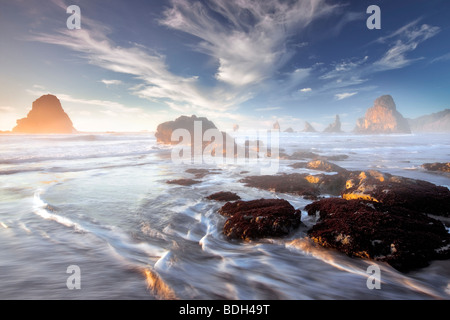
[302, 184]
[383, 117]
[165, 130]
[276, 125]
[437, 166]
[417, 195]
[401, 237]
[289, 130]
[308, 127]
[436, 122]
[46, 117]
[294, 183]
[334, 127]
[200, 173]
[320, 165]
[235, 127]
[183, 182]
[224, 196]
[261, 218]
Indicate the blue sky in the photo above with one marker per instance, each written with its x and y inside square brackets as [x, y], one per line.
[134, 64]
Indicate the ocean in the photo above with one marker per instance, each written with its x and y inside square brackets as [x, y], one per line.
[91, 216]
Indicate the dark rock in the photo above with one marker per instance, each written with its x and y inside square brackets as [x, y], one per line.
[224, 196]
[46, 117]
[165, 130]
[401, 237]
[417, 195]
[289, 130]
[334, 127]
[294, 183]
[437, 166]
[383, 117]
[183, 182]
[261, 218]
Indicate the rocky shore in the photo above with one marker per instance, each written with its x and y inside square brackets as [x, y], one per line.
[365, 214]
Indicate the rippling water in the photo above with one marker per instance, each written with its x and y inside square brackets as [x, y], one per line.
[101, 202]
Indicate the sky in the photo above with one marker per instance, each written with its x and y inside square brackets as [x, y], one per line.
[134, 64]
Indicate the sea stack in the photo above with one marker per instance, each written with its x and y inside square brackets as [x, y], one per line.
[382, 118]
[46, 117]
[334, 127]
[308, 127]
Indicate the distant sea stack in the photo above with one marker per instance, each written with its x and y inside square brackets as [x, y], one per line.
[334, 127]
[436, 122]
[46, 116]
[308, 127]
[382, 118]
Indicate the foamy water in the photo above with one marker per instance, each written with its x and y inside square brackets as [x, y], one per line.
[101, 202]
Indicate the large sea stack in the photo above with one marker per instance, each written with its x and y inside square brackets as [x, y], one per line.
[382, 118]
[188, 125]
[46, 116]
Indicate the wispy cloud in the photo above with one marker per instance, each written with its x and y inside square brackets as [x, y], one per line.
[304, 90]
[248, 39]
[407, 40]
[111, 82]
[345, 95]
[251, 46]
[268, 109]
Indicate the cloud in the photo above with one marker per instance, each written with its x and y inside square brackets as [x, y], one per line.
[111, 82]
[341, 96]
[444, 57]
[251, 46]
[407, 40]
[305, 90]
[268, 109]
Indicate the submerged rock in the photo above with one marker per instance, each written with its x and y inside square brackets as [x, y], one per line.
[261, 218]
[224, 196]
[46, 117]
[401, 237]
[183, 182]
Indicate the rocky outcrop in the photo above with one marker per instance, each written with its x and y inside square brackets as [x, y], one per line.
[401, 237]
[334, 127]
[248, 220]
[164, 130]
[308, 127]
[46, 117]
[382, 118]
[417, 195]
[436, 122]
[195, 136]
[437, 166]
